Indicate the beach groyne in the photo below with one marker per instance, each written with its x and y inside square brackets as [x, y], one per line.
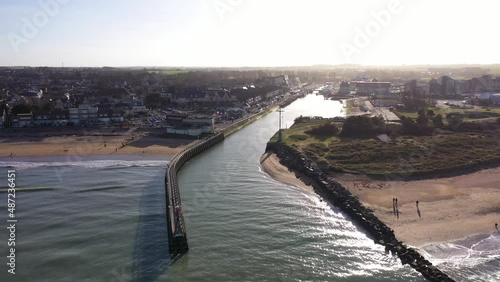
[339, 196]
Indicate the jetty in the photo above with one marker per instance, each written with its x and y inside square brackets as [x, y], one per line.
[177, 237]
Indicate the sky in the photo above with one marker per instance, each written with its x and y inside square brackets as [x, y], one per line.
[247, 33]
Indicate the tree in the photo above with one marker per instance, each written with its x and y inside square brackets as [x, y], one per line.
[362, 125]
[324, 130]
[454, 120]
[20, 109]
[437, 121]
[422, 118]
[412, 128]
[408, 124]
[3, 107]
[411, 104]
[153, 101]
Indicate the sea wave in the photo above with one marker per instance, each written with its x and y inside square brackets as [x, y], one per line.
[472, 259]
[85, 164]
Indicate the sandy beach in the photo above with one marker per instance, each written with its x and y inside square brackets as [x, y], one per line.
[89, 143]
[450, 208]
[270, 164]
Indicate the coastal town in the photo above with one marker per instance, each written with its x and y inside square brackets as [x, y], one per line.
[51, 97]
[63, 108]
[233, 140]
[191, 103]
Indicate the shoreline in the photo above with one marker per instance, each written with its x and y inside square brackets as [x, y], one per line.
[77, 158]
[451, 210]
[37, 145]
[269, 163]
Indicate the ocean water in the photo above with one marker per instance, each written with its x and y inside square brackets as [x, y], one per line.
[472, 259]
[101, 219]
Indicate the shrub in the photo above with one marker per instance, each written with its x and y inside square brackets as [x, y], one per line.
[324, 130]
[298, 137]
[300, 119]
[362, 125]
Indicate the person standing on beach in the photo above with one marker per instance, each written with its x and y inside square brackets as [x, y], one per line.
[394, 206]
[418, 210]
[397, 209]
[496, 227]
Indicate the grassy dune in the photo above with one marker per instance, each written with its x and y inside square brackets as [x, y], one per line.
[406, 156]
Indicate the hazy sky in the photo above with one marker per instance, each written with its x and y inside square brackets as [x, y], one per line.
[247, 32]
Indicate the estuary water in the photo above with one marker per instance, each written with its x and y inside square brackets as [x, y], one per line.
[103, 219]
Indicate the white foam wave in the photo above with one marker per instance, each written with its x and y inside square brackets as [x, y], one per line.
[476, 258]
[85, 164]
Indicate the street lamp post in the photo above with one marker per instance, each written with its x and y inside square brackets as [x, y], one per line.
[280, 138]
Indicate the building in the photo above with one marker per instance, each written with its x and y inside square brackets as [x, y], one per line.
[345, 88]
[109, 116]
[278, 81]
[175, 119]
[53, 118]
[58, 105]
[138, 110]
[84, 114]
[379, 89]
[203, 95]
[448, 86]
[496, 84]
[22, 120]
[410, 88]
[183, 125]
[33, 94]
[433, 88]
[495, 99]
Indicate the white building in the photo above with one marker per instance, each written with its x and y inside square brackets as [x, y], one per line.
[84, 114]
[192, 127]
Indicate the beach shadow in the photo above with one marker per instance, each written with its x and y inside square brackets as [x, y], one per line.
[267, 155]
[146, 141]
[151, 253]
[418, 212]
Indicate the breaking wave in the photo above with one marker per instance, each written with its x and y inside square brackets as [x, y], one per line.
[472, 259]
[85, 164]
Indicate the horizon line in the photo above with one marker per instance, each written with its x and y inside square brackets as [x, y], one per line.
[255, 67]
